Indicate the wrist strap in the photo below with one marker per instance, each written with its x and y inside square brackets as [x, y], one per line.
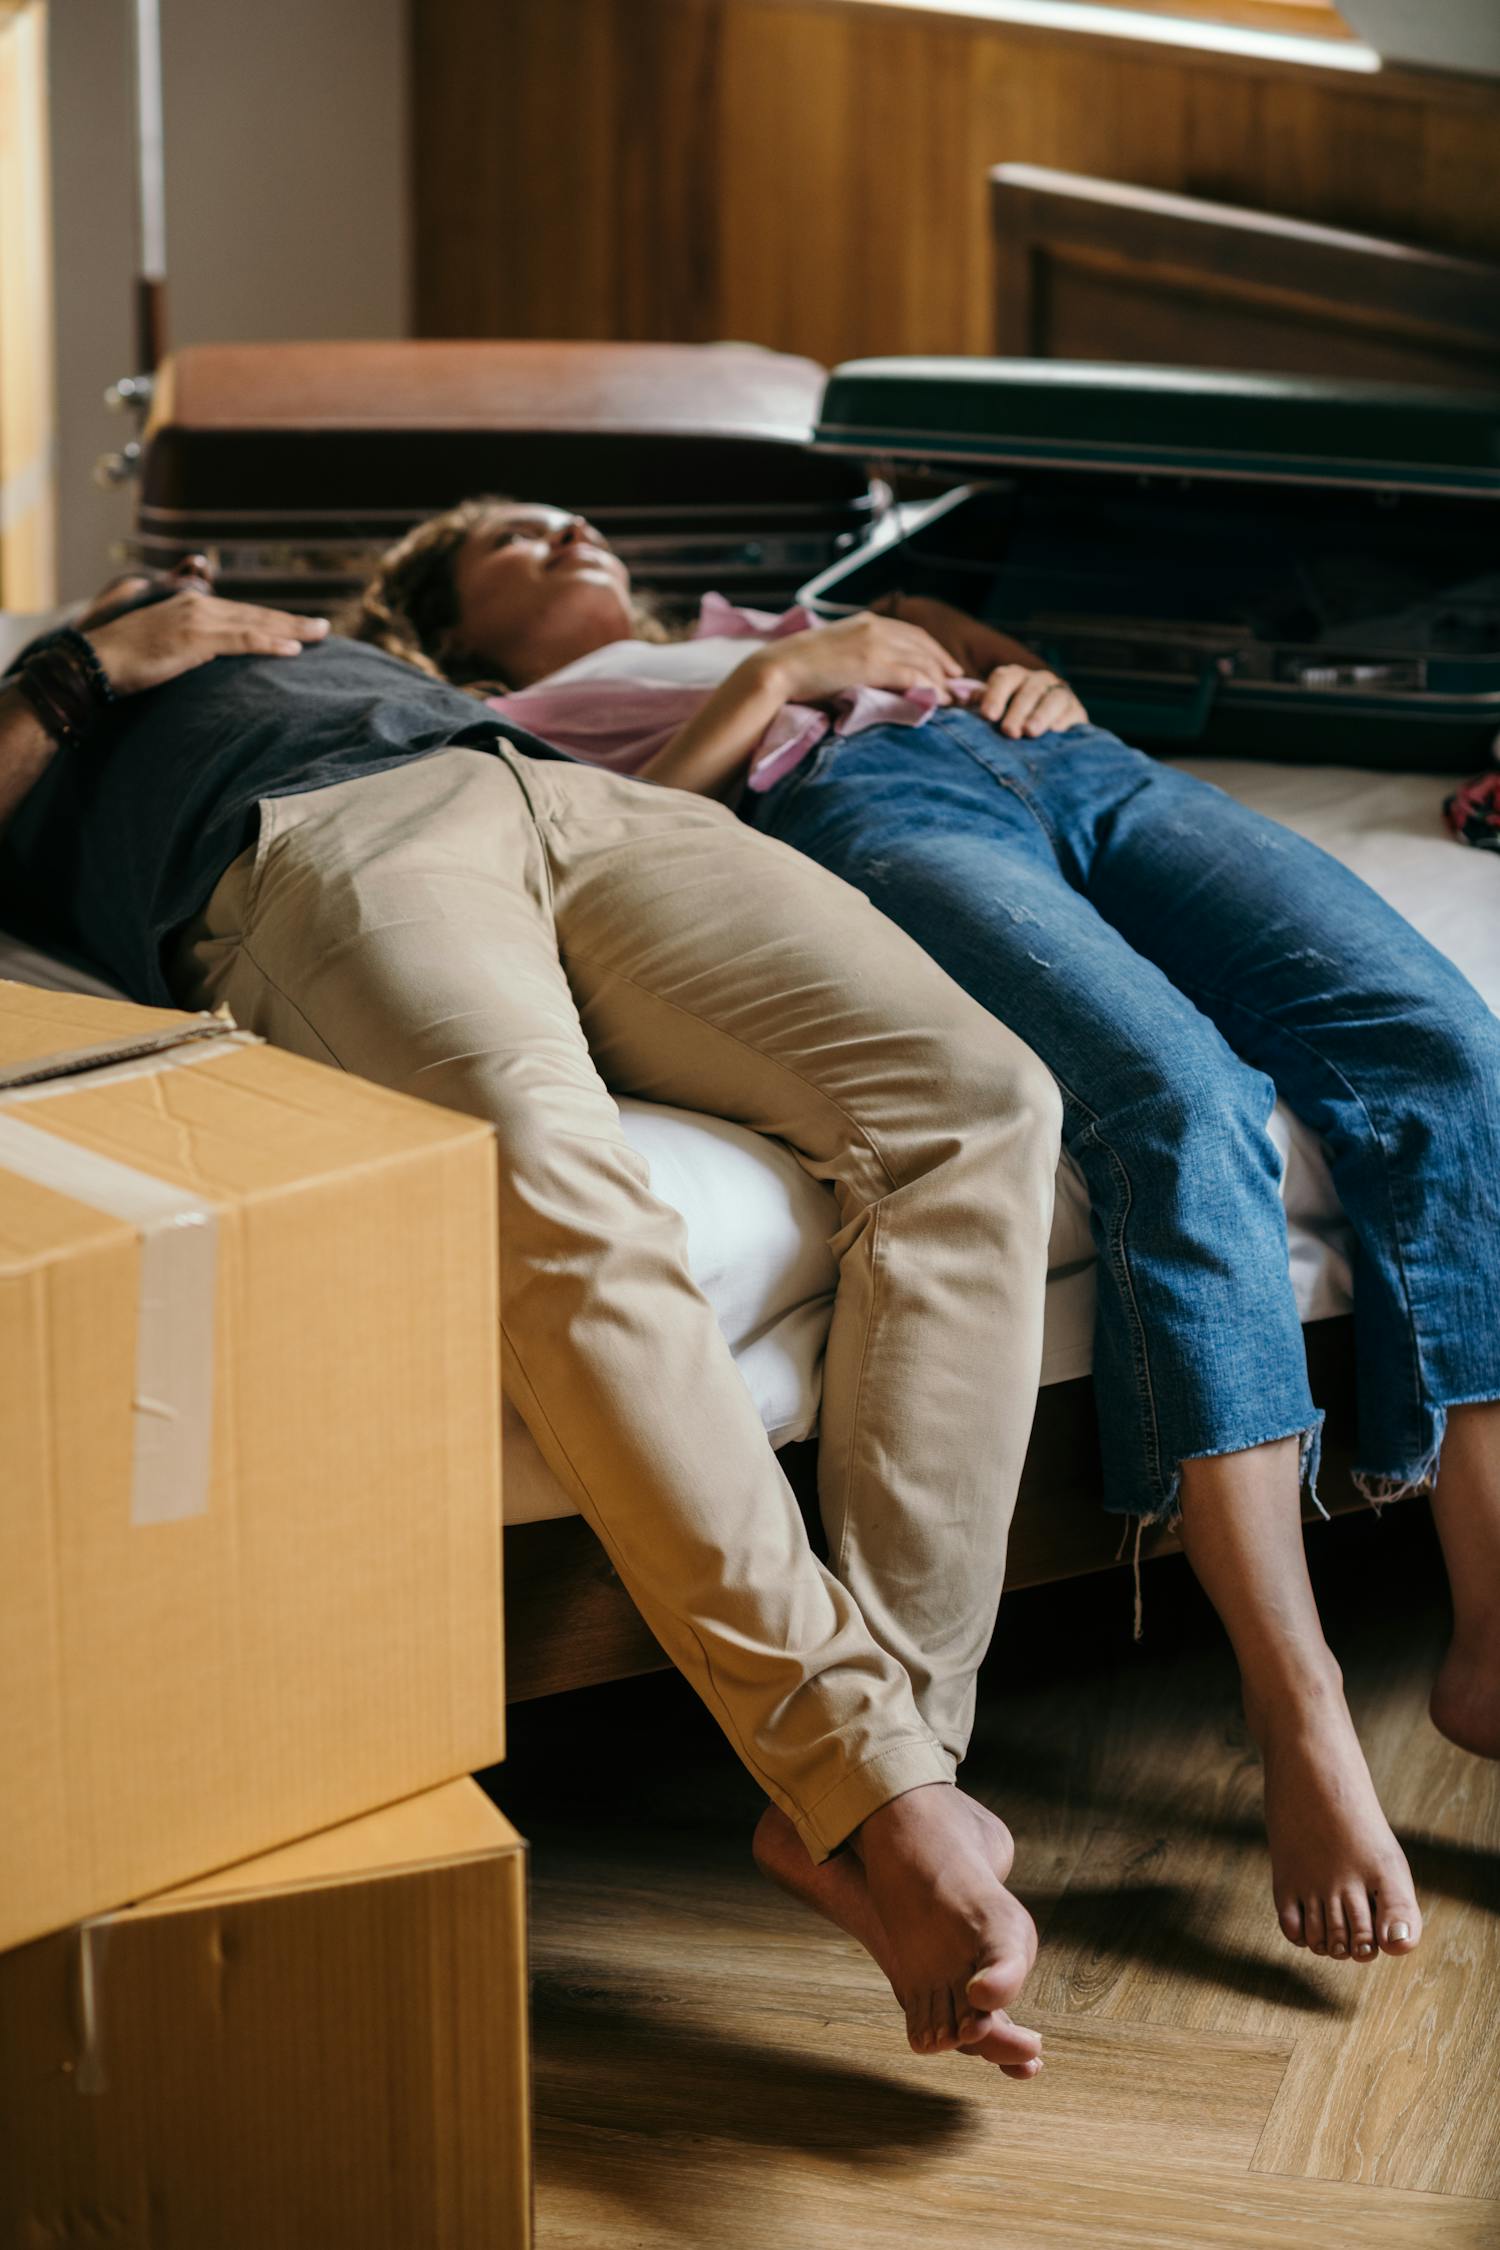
[66, 686]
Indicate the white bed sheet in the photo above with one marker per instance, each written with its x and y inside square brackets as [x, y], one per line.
[758, 1228]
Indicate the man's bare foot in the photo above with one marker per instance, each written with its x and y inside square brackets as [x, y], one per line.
[1340, 1879]
[835, 1888]
[839, 1889]
[961, 1946]
[1465, 1702]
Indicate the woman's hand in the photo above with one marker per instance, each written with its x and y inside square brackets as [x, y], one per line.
[1023, 699]
[862, 651]
[146, 647]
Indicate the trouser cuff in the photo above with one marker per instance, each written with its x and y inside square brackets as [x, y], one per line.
[890, 1773]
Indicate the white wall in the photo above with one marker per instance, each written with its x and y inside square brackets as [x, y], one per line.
[286, 147]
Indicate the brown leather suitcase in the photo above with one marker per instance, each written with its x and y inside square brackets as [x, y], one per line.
[295, 464]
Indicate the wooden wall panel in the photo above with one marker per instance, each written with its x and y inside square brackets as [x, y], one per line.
[810, 174]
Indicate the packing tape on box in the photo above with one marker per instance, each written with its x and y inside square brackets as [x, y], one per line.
[73, 1062]
[172, 1415]
[93, 1937]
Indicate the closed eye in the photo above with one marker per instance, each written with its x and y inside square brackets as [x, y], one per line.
[510, 532]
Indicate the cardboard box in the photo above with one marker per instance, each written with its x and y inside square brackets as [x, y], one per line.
[323, 2047]
[249, 1453]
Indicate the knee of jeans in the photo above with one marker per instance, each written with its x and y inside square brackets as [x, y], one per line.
[1204, 1115]
[1454, 1071]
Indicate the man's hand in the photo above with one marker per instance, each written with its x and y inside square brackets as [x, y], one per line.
[1022, 700]
[862, 651]
[124, 592]
[143, 648]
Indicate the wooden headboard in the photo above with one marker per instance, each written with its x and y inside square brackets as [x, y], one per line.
[1093, 269]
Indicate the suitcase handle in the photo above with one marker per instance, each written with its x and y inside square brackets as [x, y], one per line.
[1165, 717]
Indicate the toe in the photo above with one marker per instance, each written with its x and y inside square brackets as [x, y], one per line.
[1314, 1924]
[919, 2025]
[1289, 1915]
[1338, 1933]
[945, 2022]
[994, 1985]
[1398, 1919]
[930, 2024]
[1358, 1922]
[1016, 2050]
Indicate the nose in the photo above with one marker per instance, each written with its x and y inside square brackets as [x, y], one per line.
[570, 533]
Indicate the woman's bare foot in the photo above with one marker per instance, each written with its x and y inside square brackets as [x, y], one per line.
[1465, 1702]
[839, 1888]
[1339, 1877]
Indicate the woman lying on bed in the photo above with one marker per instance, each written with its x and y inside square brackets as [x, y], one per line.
[1177, 961]
[214, 802]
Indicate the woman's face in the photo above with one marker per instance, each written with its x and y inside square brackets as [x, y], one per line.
[537, 588]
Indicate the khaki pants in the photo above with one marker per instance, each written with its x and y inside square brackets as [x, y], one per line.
[520, 940]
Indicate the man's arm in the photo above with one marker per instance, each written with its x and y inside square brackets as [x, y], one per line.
[178, 626]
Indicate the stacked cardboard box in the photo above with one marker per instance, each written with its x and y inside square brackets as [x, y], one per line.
[320, 2047]
[249, 1589]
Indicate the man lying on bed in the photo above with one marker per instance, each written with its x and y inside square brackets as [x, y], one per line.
[442, 903]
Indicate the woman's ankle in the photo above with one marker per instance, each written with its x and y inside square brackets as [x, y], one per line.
[1289, 1692]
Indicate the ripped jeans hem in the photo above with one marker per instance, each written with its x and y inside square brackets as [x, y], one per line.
[1309, 1436]
[1379, 1486]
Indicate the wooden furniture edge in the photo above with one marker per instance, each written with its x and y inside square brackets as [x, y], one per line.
[569, 1622]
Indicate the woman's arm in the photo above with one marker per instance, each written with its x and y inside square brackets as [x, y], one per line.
[979, 648]
[709, 754]
[1021, 696]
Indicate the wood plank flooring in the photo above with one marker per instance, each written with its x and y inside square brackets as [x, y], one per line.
[715, 2066]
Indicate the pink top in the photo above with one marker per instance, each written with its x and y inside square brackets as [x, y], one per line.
[621, 717]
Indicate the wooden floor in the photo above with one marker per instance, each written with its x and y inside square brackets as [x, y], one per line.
[715, 2067]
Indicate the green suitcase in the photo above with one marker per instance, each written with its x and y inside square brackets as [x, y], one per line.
[1256, 565]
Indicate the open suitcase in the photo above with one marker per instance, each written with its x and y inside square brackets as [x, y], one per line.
[295, 464]
[1260, 566]
[1257, 565]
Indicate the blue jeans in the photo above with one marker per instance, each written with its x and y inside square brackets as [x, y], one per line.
[1177, 961]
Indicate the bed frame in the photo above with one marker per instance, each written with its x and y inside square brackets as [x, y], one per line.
[569, 1622]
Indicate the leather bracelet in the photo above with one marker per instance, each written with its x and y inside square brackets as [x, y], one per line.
[35, 685]
[66, 687]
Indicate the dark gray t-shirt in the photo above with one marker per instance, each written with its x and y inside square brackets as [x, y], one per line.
[121, 842]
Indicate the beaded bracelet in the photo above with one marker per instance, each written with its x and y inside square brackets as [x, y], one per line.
[66, 686]
[81, 647]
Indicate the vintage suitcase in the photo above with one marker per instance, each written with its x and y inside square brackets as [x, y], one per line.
[295, 464]
[1266, 566]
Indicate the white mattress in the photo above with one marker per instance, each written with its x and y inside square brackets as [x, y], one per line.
[758, 1228]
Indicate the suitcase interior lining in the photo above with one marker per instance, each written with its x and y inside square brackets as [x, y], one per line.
[1349, 603]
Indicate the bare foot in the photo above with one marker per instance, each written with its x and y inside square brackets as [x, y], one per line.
[839, 1889]
[961, 1946]
[1465, 1702]
[835, 1888]
[1340, 1879]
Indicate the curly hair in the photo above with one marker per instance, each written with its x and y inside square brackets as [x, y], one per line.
[409, 605]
